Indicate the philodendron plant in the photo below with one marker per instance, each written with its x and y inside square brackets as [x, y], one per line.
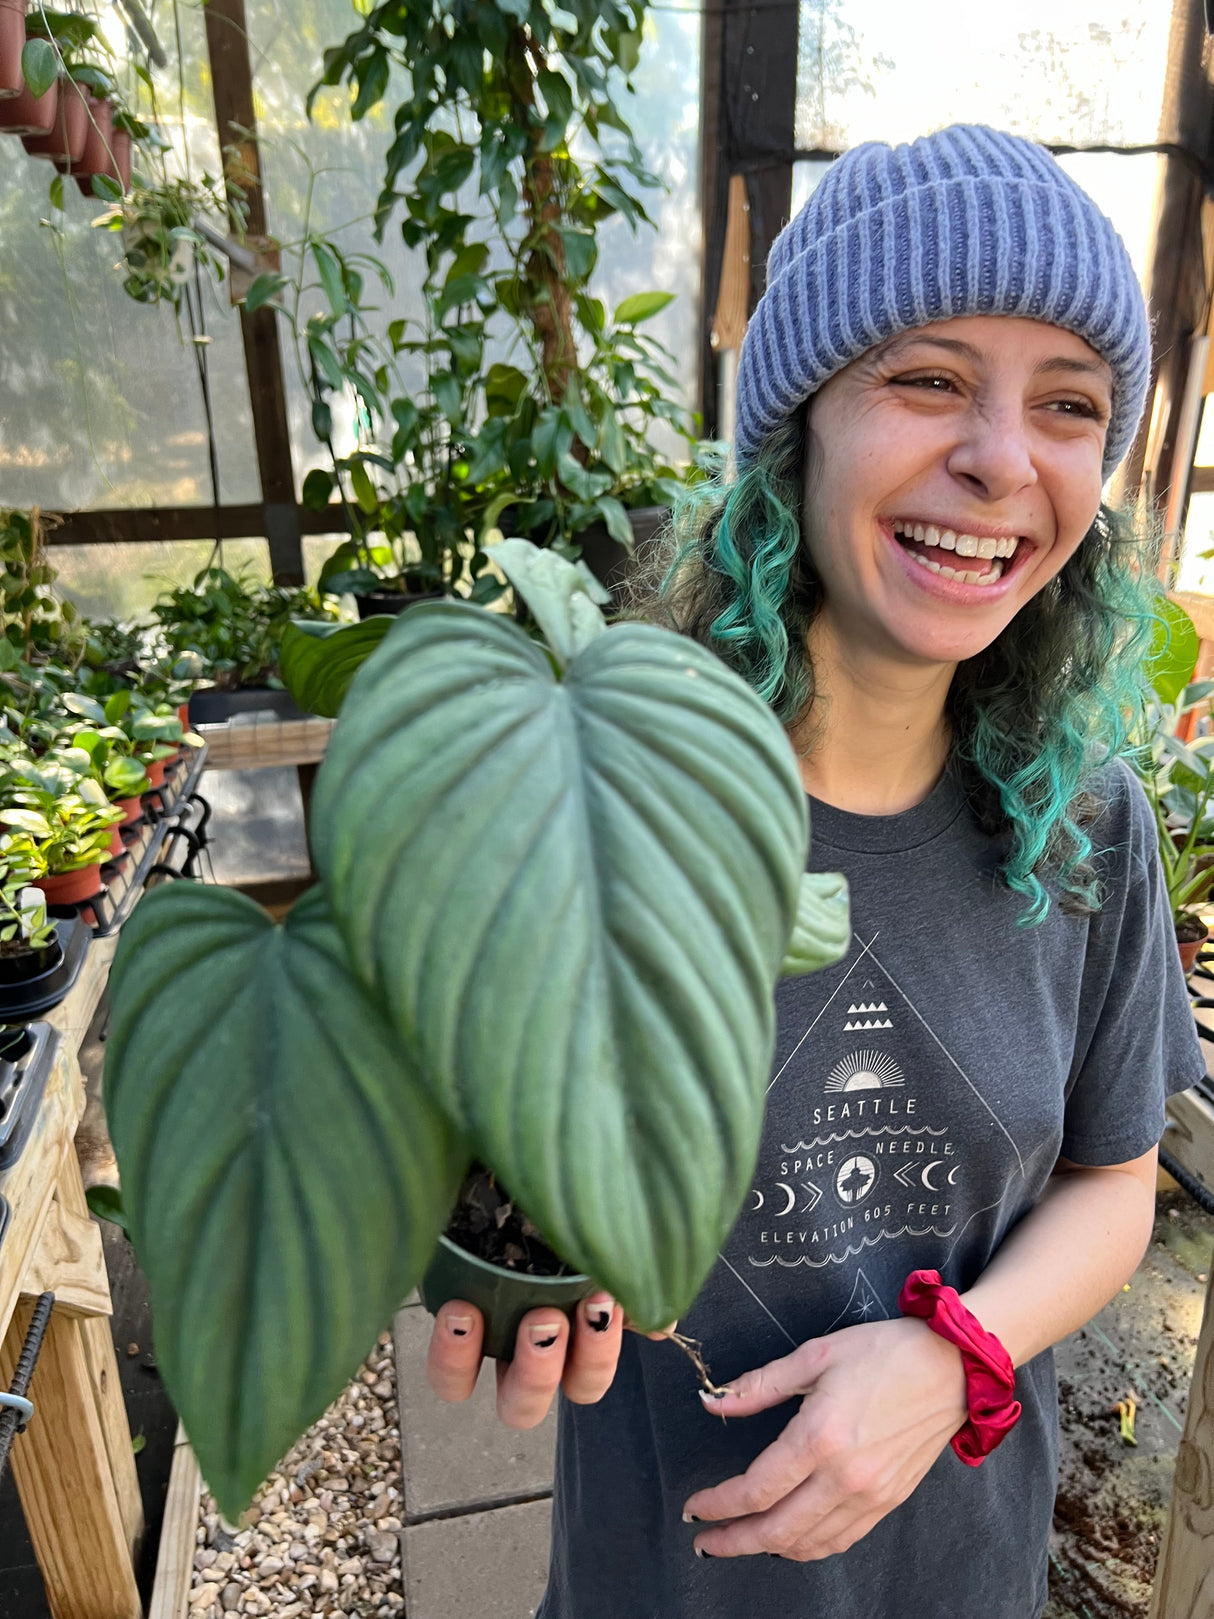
[560, 877]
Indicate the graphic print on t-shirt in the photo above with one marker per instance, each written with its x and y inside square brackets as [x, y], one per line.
[876, 1135]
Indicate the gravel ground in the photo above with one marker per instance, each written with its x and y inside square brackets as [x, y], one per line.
[323, 1535]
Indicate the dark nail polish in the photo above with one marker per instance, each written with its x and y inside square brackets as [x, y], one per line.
[599, 1319]
[700, 1553]
[459, 1332]
[545, 1343]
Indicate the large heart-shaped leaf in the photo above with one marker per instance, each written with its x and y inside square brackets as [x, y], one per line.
[318, 660]
[284, 1177]
[1173, 652]
[573, 896]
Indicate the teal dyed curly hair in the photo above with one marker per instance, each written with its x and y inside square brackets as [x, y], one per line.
[1058, 691]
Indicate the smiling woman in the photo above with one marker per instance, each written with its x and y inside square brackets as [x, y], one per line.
[912, 564]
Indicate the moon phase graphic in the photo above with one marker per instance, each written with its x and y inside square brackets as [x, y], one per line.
[759, 1204]
[936, 1163]
[952, 1174]
[782, 1186]
[865, 1071]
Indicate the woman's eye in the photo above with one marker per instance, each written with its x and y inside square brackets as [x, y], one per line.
[1077, 407]
[930, 384]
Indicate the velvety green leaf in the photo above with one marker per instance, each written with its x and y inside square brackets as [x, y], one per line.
[564, 597]
[616, 519]
[284, 1177]
[39, 66]
[318, 660]
[641, 306]
[823, 927]
[106, 1203]
[1174, 649]
[574, 896]
[56, 192]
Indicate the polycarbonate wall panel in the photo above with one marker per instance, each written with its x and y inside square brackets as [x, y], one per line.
[1060, 71]
[100, 403]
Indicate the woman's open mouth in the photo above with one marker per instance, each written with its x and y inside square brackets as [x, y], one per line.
[970, 559]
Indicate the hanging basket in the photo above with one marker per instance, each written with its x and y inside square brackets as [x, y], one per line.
[12, 43]
[25, 114]
[65, 143]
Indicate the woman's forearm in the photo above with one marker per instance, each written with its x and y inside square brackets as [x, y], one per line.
[1067, 1259]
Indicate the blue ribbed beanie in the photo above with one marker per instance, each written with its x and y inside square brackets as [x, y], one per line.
[964, 222]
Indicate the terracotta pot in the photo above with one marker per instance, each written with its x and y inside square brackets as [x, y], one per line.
[117, 165]
[132, 809]
[23, 115]
[116, 844]
[12, 43]
[1189, 949]
[70, 887]
[97, 157]
[155, 772]
[66, 141]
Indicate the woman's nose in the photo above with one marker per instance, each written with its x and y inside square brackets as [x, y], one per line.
[993, 453]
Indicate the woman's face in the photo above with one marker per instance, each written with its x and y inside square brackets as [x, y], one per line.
[952, 472]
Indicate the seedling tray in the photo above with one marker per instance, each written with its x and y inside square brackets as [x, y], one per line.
[22, 1083]
[21, 1002]
[175, 810]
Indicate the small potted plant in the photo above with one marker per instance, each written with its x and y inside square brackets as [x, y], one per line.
[12, 43]
[547, 862]
[32, 108]
[29, 945]
[69, 818]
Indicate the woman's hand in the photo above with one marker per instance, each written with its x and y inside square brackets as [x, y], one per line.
[546, 1357]
[881, 1402]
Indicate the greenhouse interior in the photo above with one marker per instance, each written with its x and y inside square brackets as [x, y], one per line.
[610, 378]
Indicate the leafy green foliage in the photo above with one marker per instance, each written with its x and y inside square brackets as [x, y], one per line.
[284, 1176]
[1174, 648]
[482, 168]
[319, 660]
[234, 626]
[622, 847]
[565, 873]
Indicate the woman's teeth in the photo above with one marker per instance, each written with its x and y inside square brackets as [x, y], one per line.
[962, 545]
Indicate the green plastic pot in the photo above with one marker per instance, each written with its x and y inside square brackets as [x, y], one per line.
[502, 1296]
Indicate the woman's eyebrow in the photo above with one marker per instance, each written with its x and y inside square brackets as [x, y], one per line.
[1063, 362]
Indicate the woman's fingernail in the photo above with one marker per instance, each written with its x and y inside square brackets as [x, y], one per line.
[543, 1337]
[690, 1517]
[599, 1314]
[459, 1325]
[700, 1552]
[714, 1394]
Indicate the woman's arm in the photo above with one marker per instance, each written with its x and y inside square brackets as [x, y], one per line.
[883, 1399]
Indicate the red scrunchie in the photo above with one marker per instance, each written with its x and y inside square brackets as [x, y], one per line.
[989, 1375]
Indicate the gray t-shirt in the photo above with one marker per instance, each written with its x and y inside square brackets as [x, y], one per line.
[921, 1093]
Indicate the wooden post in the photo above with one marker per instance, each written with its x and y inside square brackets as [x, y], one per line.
[65, 1480]
[1176, 278]
[1184, 1579]
[232, 85]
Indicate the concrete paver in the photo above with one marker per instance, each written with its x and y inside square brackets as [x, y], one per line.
[490, 1564]
[460, 1455]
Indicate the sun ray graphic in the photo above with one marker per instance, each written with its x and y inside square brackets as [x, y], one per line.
[865, 1071]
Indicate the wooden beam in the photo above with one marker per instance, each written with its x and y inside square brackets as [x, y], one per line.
[155, 525]
[175, 1558]
[232, 86]
[63, 1476]
[1184, 1577]
[714, 182]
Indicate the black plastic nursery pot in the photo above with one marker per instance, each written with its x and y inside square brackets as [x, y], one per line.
[377, 603]
[211, 706]
[502, 1296]
[26, 1058]
[38, 980]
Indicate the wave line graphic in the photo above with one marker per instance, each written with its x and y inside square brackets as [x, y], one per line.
[849, 1252]
[858, 1135]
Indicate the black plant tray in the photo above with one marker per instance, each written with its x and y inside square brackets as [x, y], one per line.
[22, 1082]
[6, 1213]
[21, 1002]
[174, 810]
[214, 707]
